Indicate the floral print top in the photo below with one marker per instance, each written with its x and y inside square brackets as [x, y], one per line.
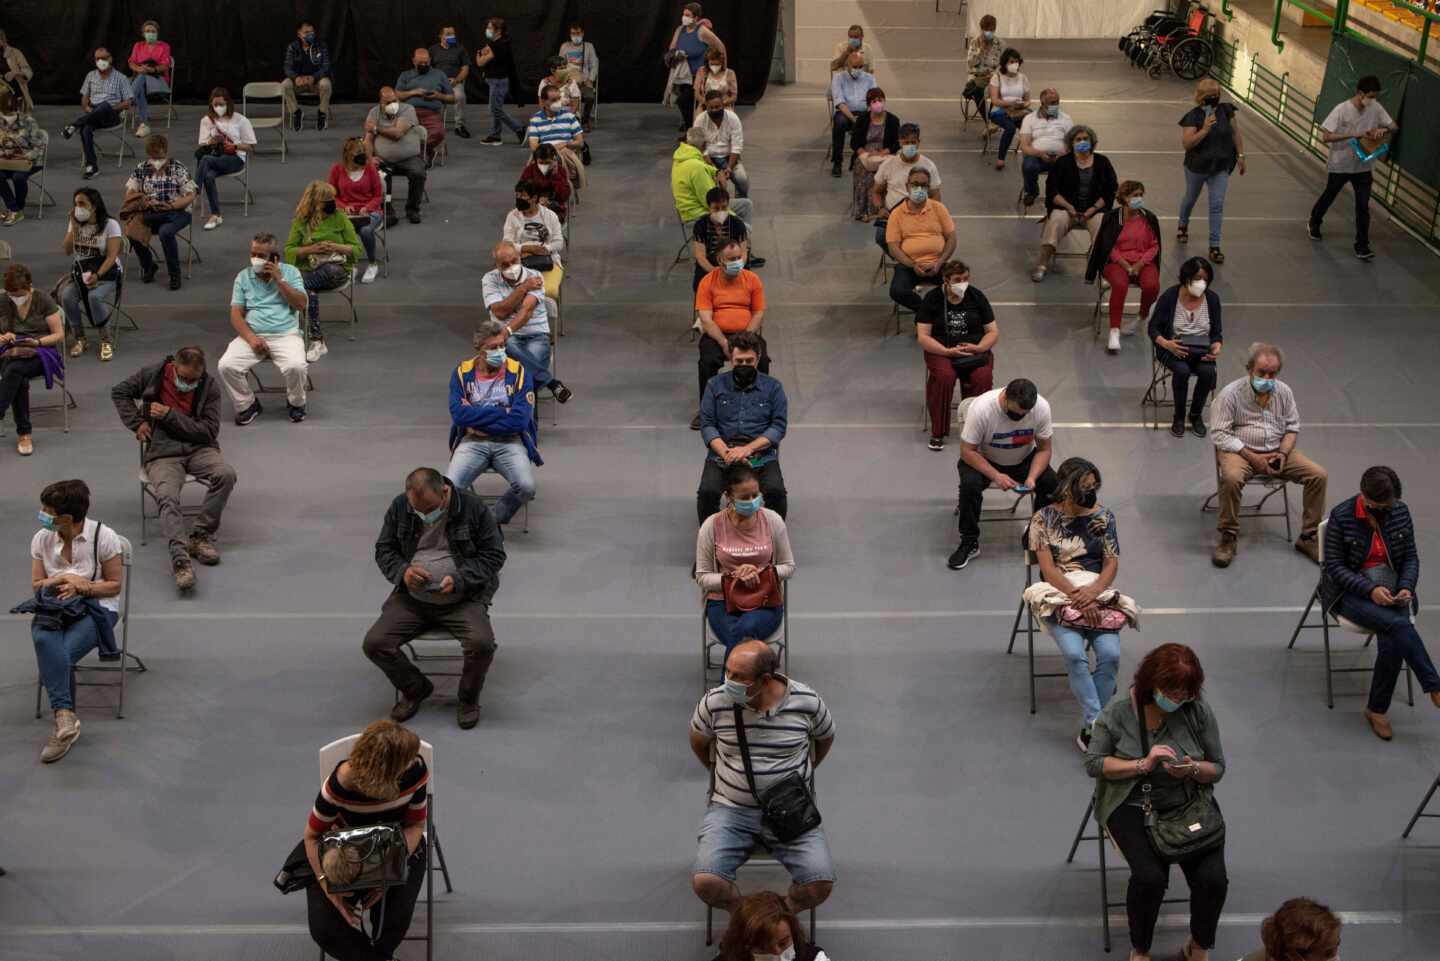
[1075, 543]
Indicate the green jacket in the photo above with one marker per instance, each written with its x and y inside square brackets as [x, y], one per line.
[1116, 733]
[336, 228]
[691, 178]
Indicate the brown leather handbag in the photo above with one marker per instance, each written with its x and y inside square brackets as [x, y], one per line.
[765, 592]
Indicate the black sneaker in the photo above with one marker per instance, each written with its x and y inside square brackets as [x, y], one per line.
[493, 140]
[174, 281]
[835, 171]
[405, 707]
[561, 392]
[297, 414]
[249, 414]
[1027, 199]
[297, 120]
[937, 443]
[1177, 427]
[67, 131]
[1363, 252]
[1082, 740]
[147, 274]
[695, 423]
[755, 263]
[322, 120]
[1197, 427]
[968, 549]
[90, 172]
[413, 216]
[461, 132]
[520, 138]
[391, 217]
[1313, 229]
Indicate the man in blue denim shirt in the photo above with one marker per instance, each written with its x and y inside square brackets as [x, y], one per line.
[742, 420]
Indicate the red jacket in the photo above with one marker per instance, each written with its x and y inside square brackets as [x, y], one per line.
[367, 193]
[558, 182]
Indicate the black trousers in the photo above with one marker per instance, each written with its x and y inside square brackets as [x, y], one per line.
[1181, 370]
[343, 943]
[402, 619]
[685, 100]
[840, 127]
[1150, 876]
[413, 170]
[973, 484]
[15, 377]
[712, 359]
[712, 485]
[1335, 183]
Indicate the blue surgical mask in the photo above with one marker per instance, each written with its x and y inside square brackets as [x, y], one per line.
[733, 267]
[309, 38]
[737, 691]
[989, 34]
[450, 41]
[918, 194]
[1167, 705]
[910, 151]
[1262, 385]
[1050, 110]
[185, 386]
[856, 41]
[1137, 202]
[431, 517]
[47, 521]
[854, 73]
[495, 358]
[745, 508]
[1083, 146]
[489, 34]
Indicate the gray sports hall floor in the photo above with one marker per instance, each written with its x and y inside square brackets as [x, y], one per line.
[569, 815]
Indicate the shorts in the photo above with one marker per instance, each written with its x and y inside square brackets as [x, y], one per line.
[728, 836]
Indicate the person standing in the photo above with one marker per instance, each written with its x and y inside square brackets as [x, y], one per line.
[1357, 131]
[152, 71]
[497, 59]
[452, 59]
[691, 40]
[1214, 148]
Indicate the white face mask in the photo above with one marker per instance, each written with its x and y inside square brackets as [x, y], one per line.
[687, 20]
[1197, 287]
[82, 214]
[959, 287]
[719, 216]
[102, 65]
[716, 67]
[577, 38]
[1012, 68]
[257, 263]
[544, 169]
[393, 107]
[220, 109]
[9, 117]
[157, 164]
[512, 273]
[787, 955]
[19, 300]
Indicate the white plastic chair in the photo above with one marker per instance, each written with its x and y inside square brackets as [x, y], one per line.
[263, 92]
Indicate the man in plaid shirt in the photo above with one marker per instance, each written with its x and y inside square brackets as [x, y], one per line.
[104, 96]
[169, 191]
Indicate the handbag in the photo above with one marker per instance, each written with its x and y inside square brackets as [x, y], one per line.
[765, 592]
[1111, 619]
[787, 808]
[541, 262]
[1190, 829]
[377, 851]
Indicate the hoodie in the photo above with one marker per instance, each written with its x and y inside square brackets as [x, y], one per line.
[691, 178]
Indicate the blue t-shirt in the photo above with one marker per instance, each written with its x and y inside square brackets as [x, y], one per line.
[266, 311]
[433, 80]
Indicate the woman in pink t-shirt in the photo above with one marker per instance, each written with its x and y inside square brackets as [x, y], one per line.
[150, 68]
[1127, 250]
[740, 543]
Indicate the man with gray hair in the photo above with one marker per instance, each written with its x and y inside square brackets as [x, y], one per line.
[264, 309]
[693, 176]
[441, 548]
[1254, 423]
[515, 295]
[1042, 141]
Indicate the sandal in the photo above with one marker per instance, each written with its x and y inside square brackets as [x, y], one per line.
[107, 350]
[77, 349]
[1216, 255]
[1183, 234]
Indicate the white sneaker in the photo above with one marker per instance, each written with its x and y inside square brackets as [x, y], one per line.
[370, 273]
[214, 221]
[143, 130]
[1129, 325]
[316, 351]
[1114, 345]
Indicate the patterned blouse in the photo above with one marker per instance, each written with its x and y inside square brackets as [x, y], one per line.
[1075, 543]
[22, 140]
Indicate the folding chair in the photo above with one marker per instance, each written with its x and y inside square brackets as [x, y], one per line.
[490, 500]
[346, 291]
[244, 175]
[127, 558]
[687, 229]
[1271, 485]
[263, 92]
[169, 95]
[1030, 630]
[779, 642]
[1326, 619]
[117, 311]
[259, 387]
[335, 752]
[61, 382]
[186, 237]
[147, 492]
[1157, 395]
[121, 133]
[1102, 288]
[1420, 811]
[989, 133]
[42, 196]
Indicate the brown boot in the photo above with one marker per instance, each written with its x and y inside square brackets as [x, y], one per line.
[1380, 724]
[1225, 549]
[184, 574]
[202, 548]
[1309, 545]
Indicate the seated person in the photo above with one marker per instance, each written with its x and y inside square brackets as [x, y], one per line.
[956, 329]
[1078, 193]
[32, 344]
[515, 295]
[555, 125]
[22, 147]
[452, 59]
[742, 421]
[545, 168]
[1254, 423]
[536, 230]
[920, 236]
[892, 178]
[730, 299]
[692, 177]
[307, 71]
[1301, 929]
[323, 244]
[982, 60]
[788, 729]
[847, 93]
[104, 97]
[151, 71]
[561, 79]
[72, 557]
[394, 137]
[763, 926]
[359, 195]
[173, 409]
[264, 301]
[874, 139]
[1369, 577]
[716, 77]
[1009, 96]
[584, 65]
[16, 73]
[1042, 142]
[740, 550]
[1004, 440]
[227, 138]
[94, 241]
[724, 140]
[428, 91]
[1185, 328]
[713, 232]
[158, 196]
[492, 421]
[853, 43]
[1126, 250]
[441, 548]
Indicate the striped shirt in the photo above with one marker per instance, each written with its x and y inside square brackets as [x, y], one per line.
[1192, 325]
[559, 129]
[1237, 420]
[112, 88]
[779, 740]
[337, 806]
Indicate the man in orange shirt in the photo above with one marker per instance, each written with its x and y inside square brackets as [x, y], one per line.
[921, 237]
[730, 299]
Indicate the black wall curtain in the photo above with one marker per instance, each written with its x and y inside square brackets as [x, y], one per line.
[224, 43]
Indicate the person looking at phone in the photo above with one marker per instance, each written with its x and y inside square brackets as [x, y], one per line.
[1214, 149]
[1185, 328]
[1254, 424]
[264, 302]
[1369, 576]
[1184, 757]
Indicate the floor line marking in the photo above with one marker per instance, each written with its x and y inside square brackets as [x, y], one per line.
[1064, 100]
[972, 150]
[682, 304]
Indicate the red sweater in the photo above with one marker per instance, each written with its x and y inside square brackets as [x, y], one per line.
[557, 181]
[364, 194]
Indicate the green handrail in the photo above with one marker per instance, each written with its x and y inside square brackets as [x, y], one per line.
[1275, 28]
[1432, 15]
[1225, 9]
[1342, 13]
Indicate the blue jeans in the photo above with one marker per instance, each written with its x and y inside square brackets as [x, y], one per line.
[211, 167]
[1007, 127]
[57, 653]
[509, 459]
[731, 629]
[1093, 689]
[728, 834]
[499, 89]
[1031, 168]
[1396, 643]
[15, 188]
[1217, 183]
[365, 226]
[324, 277]
[165, 224]
[738, 176]
[101, 296]
[533, 352]
[142, 85]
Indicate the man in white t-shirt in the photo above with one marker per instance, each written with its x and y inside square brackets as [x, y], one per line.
[1004, 440]
[1358, 132]
[1042, 141]
[893, 176]
[724, 139]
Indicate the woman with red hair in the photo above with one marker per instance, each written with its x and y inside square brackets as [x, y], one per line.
[763, 928]
[1301, 930]
[1153, 749]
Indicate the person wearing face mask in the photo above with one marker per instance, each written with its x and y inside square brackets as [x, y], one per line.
[151, 69]
[1009, 96]
[1214, 148]
[442, 549]
[497, 59]
[849, 90]
[854, 42]
[544, 168]
[557, 126]
[764, 928]
[324, 245]
[874, 139]
[1042, 142]
[428, 91]
[158, 196]
[1254, 424]
[94, 240]
[104, 97]
[1354, 130]
[359, 194]
[1153, 748]
[730, 299]
[226, 139]
[1005, 439]
[561, 79]
[920, 236]
[724, 140]
[1078, 192]
[32, 341]
[956, 330]
[1185, 328]
[535, 230]
[716, 77]
[492, 421]
[16, 73]
[692, 177]
[452, 59]
[743, 416]
[983, 60]
[892, 177]
[1126, 250]
[714, 232]
[788, 728]
[1369, 578]
[584, 65]
[173, 409]
[1076, 545]
[1300, 930]
[689, 43]
[265, 298]
[515, 295]
[307, 71]
[741, 553]
[78, 562]
[394, 137]
[22, 145]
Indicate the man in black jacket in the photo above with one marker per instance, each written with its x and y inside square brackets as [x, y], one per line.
[173, 408]
[1368, 577]
[442, 549]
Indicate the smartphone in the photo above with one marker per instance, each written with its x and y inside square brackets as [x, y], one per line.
[1182, 761]
[1021, 488]
[1209, 111]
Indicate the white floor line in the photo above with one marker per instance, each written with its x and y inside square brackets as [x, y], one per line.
[1119, 62]
[1066, 100]
[880, 301]
[1109, 153]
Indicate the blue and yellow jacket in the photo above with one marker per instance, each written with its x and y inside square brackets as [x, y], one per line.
[518, 418]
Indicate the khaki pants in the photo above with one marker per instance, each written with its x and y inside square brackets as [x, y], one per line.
[321, 88]
[1060, 223]
[1235, 471]
[167, 477]
[287, 352]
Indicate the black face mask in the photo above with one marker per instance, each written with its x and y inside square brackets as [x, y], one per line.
[1086, 499]
[717, 116]
[1014, 416]
[1212, 100]
[422, 68]
[522, 204]
[745, 375]
[328, 207]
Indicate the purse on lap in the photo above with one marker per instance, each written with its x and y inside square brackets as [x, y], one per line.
[1195, 826]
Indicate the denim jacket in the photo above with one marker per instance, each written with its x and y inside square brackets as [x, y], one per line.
[471, 532]
[1347, 542]
[50, 612]
[732, 414]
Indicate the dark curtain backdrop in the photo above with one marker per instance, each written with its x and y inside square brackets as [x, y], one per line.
[227, 43]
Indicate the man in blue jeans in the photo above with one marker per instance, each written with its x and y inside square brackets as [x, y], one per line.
[104, 96]
[492, 421]
[1369, 571]
[515, 295]
[169, 191]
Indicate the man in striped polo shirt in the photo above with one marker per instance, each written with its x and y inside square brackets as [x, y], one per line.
[555, 125]
[783, 719]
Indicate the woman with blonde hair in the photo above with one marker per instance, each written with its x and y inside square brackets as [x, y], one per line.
[383, 781]
[323, 244]
[359, 193]
[1214, 147]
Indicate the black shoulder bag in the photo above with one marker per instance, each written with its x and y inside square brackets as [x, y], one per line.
[1195, 826]
[787, 808]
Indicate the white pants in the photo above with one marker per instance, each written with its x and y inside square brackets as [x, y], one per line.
[459, 104]
[287, 351]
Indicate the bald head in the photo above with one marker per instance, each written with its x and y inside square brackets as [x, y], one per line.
[856, 61]
[749, 661]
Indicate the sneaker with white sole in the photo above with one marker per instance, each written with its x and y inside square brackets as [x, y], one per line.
[1113, 346]
[214, 221]
[370, 274]
[316, 351]
[66, 733]
[143, 130]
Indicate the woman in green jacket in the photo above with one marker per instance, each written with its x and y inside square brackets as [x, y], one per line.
[1184, 756]
[324, 245]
